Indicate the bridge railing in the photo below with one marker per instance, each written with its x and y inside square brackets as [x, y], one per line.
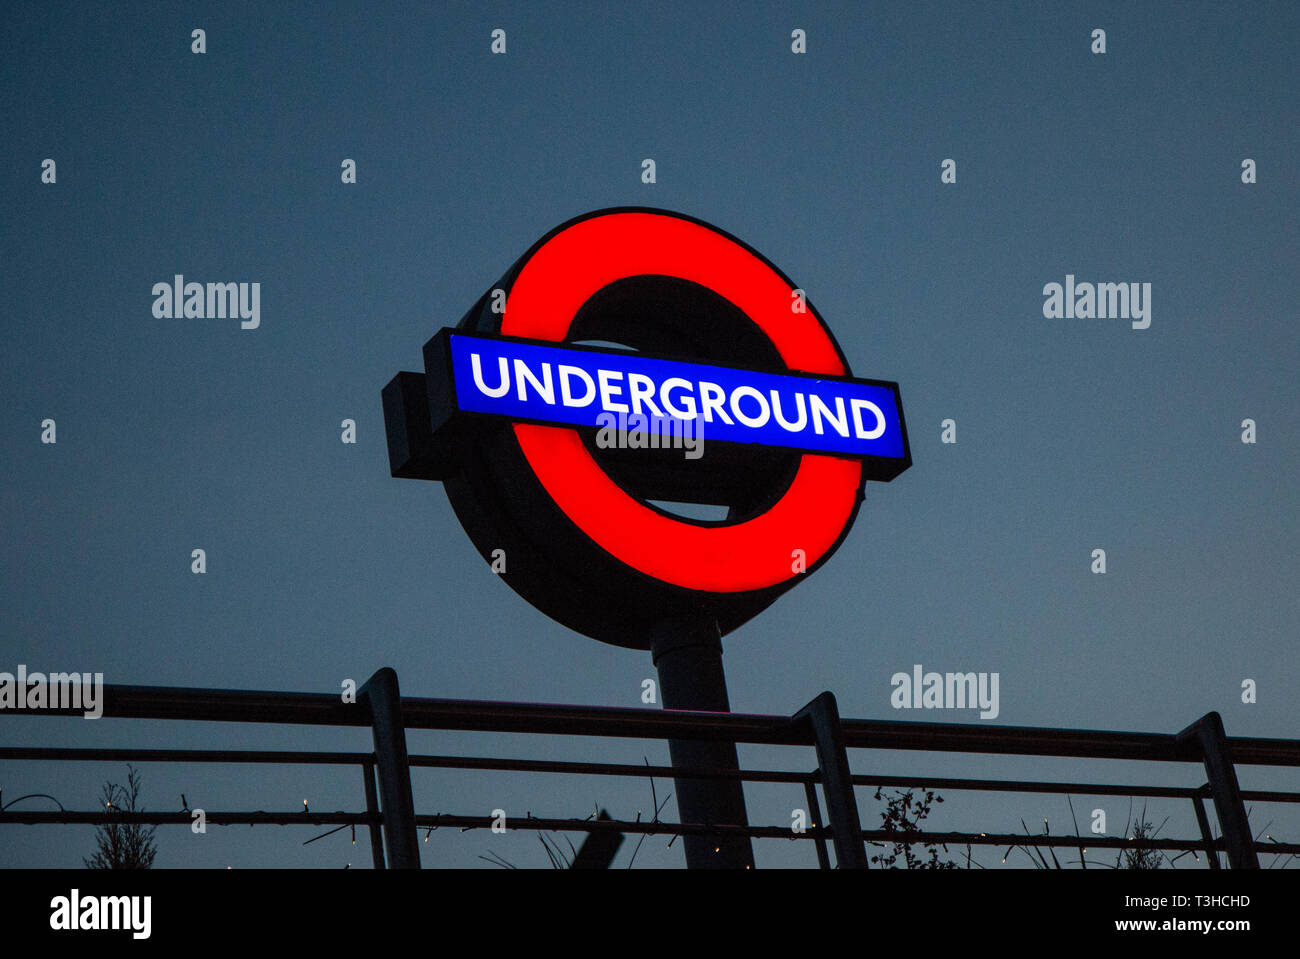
[394, 824]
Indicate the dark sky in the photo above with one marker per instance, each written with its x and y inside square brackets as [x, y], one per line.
[1072, 434]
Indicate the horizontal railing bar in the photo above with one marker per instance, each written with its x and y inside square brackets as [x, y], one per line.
[32, 753]
[1043, 741]
[27, 817]
[219, 705]
[224, 705]
[183, 755]
[858, 733]
[770, 775]
[1029, 786]
[1062, 788]
[464, 823]
[1265, 795]
[446, 820]
[609, 769]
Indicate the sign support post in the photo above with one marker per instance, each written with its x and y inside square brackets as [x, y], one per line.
[687, 653]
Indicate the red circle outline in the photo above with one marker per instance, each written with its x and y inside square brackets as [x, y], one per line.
[554, 283]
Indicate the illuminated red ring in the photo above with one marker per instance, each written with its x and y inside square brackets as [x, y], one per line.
[812, 515]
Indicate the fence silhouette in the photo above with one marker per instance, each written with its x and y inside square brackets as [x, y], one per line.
[394, 824]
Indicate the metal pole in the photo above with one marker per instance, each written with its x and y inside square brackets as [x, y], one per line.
[381, 694]
[1204, 822]
[1207, 735]
[688, 655]
[837, 782]
[815, 817]
[372, 810]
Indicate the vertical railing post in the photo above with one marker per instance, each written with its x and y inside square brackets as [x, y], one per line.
[381, 695]
[1203, 822]
[372, 811]
[815, 817]
[837, 782]
[1207, 736]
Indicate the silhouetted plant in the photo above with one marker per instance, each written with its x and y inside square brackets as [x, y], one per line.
[1142, 857]
[902, 816]
[123, 845]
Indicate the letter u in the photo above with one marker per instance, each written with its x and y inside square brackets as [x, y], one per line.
[799, 424]
[502, 367]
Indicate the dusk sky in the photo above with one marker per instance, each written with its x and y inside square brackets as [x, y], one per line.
[1073, 434]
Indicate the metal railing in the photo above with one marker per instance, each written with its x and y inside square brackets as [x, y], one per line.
[394, 824]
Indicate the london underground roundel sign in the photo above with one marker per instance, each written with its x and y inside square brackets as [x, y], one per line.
[634, 359]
